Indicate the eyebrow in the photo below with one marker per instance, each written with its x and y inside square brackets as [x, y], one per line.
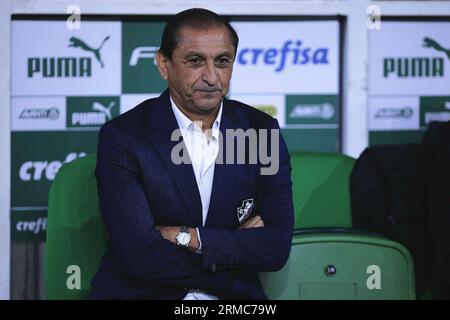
[195, 53]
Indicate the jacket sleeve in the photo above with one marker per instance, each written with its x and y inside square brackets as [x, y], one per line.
[138, 247]
[257, 249]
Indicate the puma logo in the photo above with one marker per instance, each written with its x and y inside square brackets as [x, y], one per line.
[75, 42]
[430, 43]
[97, 106]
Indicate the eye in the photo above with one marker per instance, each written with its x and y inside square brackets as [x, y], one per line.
[194, 61]
[223, 61]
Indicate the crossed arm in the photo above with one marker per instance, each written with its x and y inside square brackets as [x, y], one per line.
[141, 247]
[170, 233]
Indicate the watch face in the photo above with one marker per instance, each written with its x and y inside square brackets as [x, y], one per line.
[184, 238]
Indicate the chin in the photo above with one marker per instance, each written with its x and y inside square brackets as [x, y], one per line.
[209, 104]
[207, 108]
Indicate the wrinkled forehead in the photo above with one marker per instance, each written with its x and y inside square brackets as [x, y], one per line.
[210, 40]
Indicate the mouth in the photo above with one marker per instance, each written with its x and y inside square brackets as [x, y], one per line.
[209, 90]
[209, 93]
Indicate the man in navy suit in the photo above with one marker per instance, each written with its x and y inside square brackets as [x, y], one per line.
[189, 211]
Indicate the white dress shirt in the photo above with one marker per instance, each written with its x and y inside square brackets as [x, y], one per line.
[203, 152]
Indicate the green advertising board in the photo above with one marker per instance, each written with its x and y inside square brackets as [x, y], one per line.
[72, 81]
[409, 77]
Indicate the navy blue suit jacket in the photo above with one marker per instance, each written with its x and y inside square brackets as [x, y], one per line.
[140, 187]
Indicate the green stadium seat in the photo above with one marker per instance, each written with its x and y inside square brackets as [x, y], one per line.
[342, 266]
[75, 232]
[76, 237]
[320, 184]
[324, 238]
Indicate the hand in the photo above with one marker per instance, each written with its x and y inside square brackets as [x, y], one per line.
[253, 222]
[170, 233]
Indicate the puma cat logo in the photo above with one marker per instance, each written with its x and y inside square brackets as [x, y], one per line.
[430, 43]
[75, 42]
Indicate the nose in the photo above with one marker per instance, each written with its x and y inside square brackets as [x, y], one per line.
[210, 74]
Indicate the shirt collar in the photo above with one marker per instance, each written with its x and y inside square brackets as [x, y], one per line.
[184, 123]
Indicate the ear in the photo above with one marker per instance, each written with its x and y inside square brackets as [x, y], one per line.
[161, 63]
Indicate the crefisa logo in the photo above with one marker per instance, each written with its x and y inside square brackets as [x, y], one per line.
[33, 226]
[292, 52]
[45, 170]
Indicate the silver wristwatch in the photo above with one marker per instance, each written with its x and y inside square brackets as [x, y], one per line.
[184, 237]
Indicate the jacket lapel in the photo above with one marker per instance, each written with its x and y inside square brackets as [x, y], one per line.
[163, 121]
[224, 174]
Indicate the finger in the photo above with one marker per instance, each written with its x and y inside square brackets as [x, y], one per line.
[257, 224]
[254, 221]
[260, 224]
[245, 225]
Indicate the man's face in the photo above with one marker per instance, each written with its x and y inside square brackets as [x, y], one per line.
[200, 69]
